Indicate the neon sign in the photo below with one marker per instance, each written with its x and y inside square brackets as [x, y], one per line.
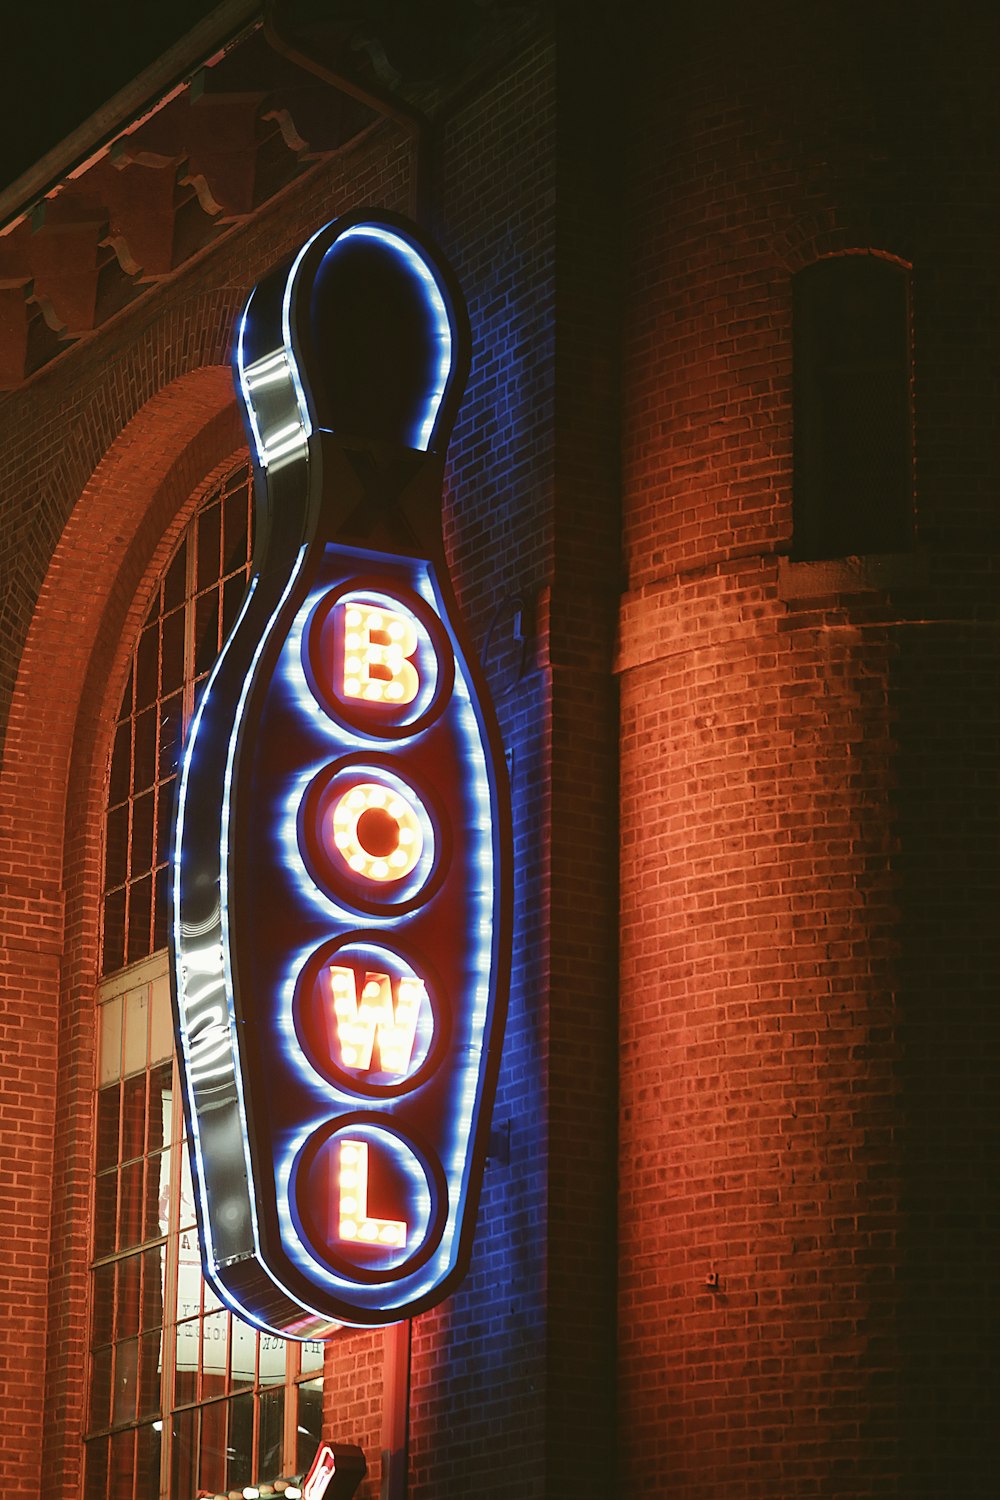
[341, 873]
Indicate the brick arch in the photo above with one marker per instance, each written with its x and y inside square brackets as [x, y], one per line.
[116, 542]
[812, 239]
[70, 426]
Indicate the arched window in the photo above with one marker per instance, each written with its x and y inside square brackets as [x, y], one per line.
[185, 1398]
[852, 413]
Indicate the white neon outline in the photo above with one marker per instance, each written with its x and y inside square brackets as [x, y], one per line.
[271, 369]
[251, 410]
[375, 1296]
[286, 331]
[281, 366]
[287, 440]
[483, 961]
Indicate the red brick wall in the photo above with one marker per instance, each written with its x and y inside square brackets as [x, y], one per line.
[808, 918]
[807, 761]
[114, 438]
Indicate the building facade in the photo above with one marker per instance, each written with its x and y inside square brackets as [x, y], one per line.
[721, 513]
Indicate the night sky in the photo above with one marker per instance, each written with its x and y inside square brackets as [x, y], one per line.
[65, 58]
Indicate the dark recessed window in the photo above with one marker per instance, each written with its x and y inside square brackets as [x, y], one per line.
[853, 429]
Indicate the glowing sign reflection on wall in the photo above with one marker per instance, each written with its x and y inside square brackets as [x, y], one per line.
[341, 878]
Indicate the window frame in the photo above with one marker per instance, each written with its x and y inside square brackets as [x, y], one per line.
[302, 1364]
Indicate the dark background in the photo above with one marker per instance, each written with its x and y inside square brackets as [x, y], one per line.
[66, 58]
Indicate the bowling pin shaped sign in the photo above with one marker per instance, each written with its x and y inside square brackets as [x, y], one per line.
[341, 882]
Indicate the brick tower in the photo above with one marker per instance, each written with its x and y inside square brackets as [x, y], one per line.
[809, 919]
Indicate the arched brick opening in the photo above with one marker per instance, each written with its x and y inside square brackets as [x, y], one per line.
[72, 673]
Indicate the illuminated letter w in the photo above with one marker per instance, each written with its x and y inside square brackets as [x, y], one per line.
[359, 1020]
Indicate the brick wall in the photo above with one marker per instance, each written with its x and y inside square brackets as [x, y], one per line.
[804, 1014]
[808, 920]
[104, 451]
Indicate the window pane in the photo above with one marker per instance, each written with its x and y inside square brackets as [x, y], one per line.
[110, 1021]
[243, 1354]
[103, 1311]
[121, 762]
[139, 909]
[113, 932]
[209, 554]
[150, 1373]
[209, 1301]
[160, 1103]
[107, 1126]
[188, 1287]
[161, 1027]
[105, 1213]
[235, 521]
[214, 1354]
[270, 1433]
[133, 1117]
[240, 1440]
[154, 1209]
[129, 1277]
[100, 1387]
[126, 1381]
[232, 597]
[161, 909]
[206, 631]
[172, 668]
[186, 1362]
[164, 822]
[142, 835]
[147, 1463]
[127, 703]
[214, 1438]
[175, 579]
[311, 1357]
[184, 1455]
[95, 1484]
[136, 1028]
[153, 1262]
[116, 847]
[122, 1465]
[272, 1358]
[130, 1215]
[144, 762]
[146, 668]
[310, 1423]
[162, 1168]
[189, 1246]
[171, 735]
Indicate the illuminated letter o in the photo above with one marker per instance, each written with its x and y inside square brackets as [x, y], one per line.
[377, 832]
[370, 838]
